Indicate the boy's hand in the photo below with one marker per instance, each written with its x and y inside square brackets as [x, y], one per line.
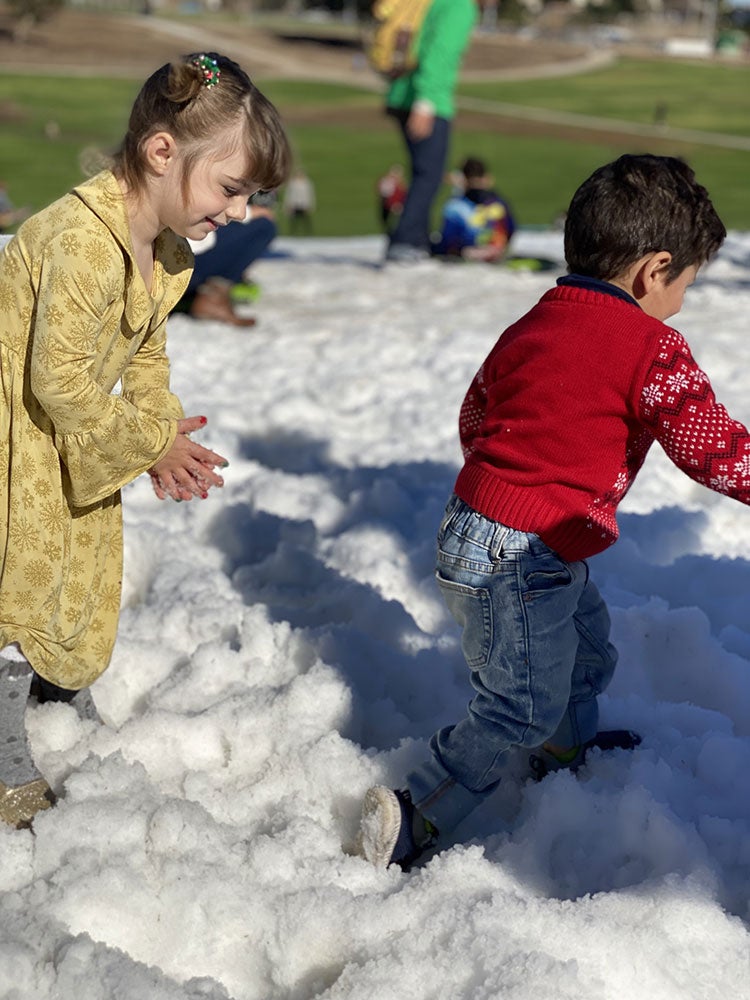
[187, 469]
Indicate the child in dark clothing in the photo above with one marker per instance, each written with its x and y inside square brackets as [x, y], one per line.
[554, 429]
[477, 223]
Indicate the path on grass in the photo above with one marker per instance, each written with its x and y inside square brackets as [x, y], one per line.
[591, 123]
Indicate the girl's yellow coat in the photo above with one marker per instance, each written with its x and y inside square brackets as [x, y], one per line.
[75, 320]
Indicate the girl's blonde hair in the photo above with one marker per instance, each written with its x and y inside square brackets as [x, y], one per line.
[177, 99]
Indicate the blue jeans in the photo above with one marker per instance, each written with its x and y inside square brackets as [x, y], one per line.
[536, 641]
[237, 246]
[427, 158]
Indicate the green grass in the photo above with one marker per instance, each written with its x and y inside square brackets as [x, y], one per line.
[299, 93]
[89, 112]
[710, 97]
[538, 174]
[345, 165]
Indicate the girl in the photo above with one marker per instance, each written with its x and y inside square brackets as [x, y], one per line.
[86, 287]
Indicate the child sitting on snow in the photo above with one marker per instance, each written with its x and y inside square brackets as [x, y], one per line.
[555, 427]
[477, 222]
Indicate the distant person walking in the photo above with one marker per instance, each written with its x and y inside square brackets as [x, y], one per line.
[422, 101]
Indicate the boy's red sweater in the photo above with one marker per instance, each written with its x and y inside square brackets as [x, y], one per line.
[560, 417]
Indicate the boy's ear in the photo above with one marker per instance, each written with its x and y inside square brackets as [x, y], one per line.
[650, 270]
[159, 151]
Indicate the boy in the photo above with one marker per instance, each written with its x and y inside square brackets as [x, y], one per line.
[477, 222]
[554, 428]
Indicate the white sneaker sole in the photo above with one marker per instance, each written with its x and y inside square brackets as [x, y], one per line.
[381, 825]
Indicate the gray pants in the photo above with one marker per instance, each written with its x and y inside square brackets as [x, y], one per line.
[18, 682]
[16, 763]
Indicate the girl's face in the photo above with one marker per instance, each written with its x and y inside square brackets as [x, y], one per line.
[217, 193]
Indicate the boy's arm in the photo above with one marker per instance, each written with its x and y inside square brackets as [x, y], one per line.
[679, 405]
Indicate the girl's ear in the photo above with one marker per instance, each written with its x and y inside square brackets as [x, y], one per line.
[160, 151]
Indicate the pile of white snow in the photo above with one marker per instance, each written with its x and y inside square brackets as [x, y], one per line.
[283, 646]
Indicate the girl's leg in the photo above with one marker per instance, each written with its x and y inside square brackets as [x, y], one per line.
[237, 246]
[23, 790]
[82, 700]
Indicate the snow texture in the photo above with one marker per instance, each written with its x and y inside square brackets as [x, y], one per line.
[283, 646]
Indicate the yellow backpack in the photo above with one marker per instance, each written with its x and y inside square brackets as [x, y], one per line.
[391, 49]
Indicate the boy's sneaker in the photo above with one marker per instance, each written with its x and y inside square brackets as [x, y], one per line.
[543, 761]
[392, 831]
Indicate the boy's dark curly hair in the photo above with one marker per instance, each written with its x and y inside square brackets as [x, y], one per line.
[634, 206]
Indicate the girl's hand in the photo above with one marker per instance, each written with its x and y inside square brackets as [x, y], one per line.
[187, 469]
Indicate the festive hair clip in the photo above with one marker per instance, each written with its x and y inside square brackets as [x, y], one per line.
[209, 68]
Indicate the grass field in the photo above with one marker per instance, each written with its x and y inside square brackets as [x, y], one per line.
[708, 97]
[344, 141]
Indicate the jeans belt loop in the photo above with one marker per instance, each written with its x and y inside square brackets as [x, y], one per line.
[498, 541]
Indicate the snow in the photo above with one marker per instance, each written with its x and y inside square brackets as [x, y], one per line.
[283, 646]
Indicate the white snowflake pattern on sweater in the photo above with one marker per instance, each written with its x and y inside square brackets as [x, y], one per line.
[696, 432]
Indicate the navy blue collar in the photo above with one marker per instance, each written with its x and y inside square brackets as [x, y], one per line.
[596, 285]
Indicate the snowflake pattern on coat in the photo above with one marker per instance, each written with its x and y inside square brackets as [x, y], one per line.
[76, 319]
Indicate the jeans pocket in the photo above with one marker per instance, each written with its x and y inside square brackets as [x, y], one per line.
[472, 609]
[545, 573]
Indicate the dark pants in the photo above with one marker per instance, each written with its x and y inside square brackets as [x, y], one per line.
[237, 246]
[428, 158]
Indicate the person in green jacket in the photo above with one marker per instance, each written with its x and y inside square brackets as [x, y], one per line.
[422, 102]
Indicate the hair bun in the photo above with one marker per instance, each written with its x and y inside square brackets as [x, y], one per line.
[185, 82]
